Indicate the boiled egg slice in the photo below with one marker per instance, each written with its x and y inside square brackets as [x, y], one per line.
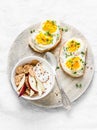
[50, 26]
[74, 46]
[74, 65]
[44, 40]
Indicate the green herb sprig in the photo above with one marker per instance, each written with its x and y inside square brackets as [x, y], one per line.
[57, 67]
[63, 29]
[78, 85]
[32, 31]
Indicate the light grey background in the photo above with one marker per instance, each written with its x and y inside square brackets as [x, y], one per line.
[15, 16]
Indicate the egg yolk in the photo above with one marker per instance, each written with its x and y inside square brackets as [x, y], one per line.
[72, 46]
[49, 26]
[43, 39]
[73, 63]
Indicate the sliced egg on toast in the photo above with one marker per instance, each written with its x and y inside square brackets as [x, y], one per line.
[46, 37]
[73, 57]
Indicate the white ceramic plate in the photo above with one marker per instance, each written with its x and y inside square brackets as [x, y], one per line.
[21, 49]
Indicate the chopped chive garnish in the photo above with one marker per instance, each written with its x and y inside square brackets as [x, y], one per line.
[62, 29]
[48, 33]
[51, 41]
[72, 41]
[78, 43]
[57, 67]
[82, 68]
[65, 29]
[70, 53]
[70, 61]
[82, 53]
[32, 31]
[74, 72]
[66, 48]
[53, 22]
[59, 27]
[85, 63]
[57, 35]
[78, 85]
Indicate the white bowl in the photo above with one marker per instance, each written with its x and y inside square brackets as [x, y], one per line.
[27, 60]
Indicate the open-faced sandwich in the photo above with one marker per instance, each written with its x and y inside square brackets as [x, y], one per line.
[46, 37]
[73, 57]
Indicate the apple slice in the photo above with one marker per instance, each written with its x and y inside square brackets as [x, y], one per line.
[27, 83]
[32, 83]
[31, 72]
[31, 93]
[21, 84]
[22, 90]
[40, 87]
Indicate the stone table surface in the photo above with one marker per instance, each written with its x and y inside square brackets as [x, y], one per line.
[15, 16]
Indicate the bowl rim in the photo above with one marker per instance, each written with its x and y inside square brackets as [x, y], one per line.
[27, 59]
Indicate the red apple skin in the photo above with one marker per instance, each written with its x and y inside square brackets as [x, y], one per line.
[27, 83]
[30, 86]
[23, 89]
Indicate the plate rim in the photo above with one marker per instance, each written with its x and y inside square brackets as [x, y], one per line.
[88, 85]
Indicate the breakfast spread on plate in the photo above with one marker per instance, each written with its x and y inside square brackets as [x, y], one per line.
[33, 79]
[73, 52]
[73, 57]
[46, 37]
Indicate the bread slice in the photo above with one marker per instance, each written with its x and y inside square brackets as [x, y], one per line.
[33, 46]
[63, 67]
